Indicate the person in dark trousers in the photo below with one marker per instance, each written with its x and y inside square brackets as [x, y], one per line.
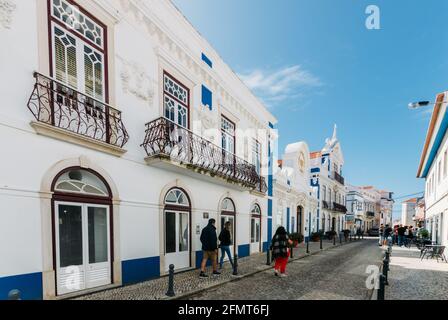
[401, 231]
[280, 251]
[225, 241]
[387, 234]
[209, 242]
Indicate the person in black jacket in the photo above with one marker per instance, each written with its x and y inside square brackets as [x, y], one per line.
[209, 242]
[280, 251]
[225, 239]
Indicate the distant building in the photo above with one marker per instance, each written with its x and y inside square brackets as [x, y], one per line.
[434, 169]
[419, 217]
[408, 212]
[327, 179]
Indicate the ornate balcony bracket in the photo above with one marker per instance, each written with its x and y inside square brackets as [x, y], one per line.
[168, 142]
[62, 112]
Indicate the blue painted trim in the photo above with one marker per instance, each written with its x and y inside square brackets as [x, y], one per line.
[207, 97]
[288, 217]
[315, 170]
[243, 250]
[265, 246]
[207, 60]
[199, 255]
[29, 285]
[139, 270]
[436, 145]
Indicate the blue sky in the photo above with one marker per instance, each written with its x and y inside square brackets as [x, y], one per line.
[314, 63]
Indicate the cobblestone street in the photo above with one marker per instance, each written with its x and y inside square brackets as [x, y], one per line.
[413, 279]
[187, 283]
[337, 274]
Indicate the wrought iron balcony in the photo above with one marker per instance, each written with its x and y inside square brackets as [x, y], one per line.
[166, 140]
[339, 207]
[58, 105]
[338, 178]
[370, 214]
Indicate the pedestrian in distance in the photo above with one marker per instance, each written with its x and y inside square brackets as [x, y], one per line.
[225, 241]
[280, 251]
[381, 231]
[401, 235]
[209, 242]
[388, 232]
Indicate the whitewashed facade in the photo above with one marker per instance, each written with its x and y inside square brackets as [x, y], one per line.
[326, 177]
[295, 202]
[108, 174]
[434, 169]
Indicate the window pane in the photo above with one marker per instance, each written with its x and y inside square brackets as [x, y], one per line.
[70, 236]
[98, 244]
[170, 232]
[252, 230]
[183, 232]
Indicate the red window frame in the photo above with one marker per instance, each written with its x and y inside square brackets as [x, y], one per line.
[60, 24]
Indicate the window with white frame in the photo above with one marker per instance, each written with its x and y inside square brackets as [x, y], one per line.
[176, 99]
[256, 155]
[78, 49]
[445, 164]
[228, 135]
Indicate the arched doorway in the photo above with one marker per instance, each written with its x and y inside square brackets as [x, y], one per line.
[300, 219]
[228, 214]
[177, 229]
[82, 230]
[255, 229]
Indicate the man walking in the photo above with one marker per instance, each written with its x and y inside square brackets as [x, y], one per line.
[209, 242]
[401, 231]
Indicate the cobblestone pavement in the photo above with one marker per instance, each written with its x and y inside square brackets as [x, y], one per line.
[413, 279]
[189, 282]
[337, 274]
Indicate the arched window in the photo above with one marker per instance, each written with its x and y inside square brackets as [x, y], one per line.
[177, 197]
[256, 210]
[227, 205]
[81, 181]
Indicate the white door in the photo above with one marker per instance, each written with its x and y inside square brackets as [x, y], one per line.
[224, 220]
[255, 234]
[177, 239]
[82, 246]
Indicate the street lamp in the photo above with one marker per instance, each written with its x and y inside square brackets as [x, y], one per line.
[420, 104]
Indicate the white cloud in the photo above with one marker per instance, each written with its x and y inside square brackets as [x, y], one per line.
[279, 85]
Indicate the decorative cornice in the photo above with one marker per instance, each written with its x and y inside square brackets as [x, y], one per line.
[141, 14]
[7, 8]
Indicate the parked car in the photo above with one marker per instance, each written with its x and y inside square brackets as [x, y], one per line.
[374, 232]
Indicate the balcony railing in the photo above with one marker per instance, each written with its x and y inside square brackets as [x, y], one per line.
[370, 214]
[61, 106]
[165, 139]
[338, 178]
[339, 207]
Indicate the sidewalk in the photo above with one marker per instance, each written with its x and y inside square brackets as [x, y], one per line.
[188, 283]
[413, 279]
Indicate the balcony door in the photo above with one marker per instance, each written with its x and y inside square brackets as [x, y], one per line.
[177, 230]
[78, 43]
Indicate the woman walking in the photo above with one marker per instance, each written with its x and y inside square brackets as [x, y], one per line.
[280, 251]
[225, 239]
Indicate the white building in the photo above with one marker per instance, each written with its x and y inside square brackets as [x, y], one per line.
[408, 209]
[387, 207]
[108, 174]
[434, 169]
[295, 202]
[326, 177]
